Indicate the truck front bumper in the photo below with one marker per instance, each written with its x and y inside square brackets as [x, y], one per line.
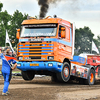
[39, 65]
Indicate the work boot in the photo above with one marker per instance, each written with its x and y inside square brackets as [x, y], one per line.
[4, 94]
[7, 92]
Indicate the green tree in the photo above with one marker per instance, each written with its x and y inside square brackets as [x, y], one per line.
[4, 25]
[97, 42]
[1, 5]
[83, 40]
[2, 35]
[16, 21]
[11, 24]
[1, 29]
[5, 19]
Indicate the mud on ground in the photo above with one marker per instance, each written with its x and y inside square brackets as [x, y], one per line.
[44, 89]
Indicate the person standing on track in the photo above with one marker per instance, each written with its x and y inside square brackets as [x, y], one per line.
[6, 70]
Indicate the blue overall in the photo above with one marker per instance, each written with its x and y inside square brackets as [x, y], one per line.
[6, 71]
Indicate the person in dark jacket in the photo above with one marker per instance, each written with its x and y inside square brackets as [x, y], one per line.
[6, 70]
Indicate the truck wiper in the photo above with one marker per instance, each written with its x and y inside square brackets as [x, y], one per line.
[42, 36]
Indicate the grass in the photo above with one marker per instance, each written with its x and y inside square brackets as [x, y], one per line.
[13, 72]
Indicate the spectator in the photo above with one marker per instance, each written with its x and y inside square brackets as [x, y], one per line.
[7, 70]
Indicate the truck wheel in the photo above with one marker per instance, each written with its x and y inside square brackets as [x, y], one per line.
[27, 75]
[64, 75]
[91, 78]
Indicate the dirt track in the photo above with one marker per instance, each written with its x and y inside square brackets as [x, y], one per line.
[43, 89]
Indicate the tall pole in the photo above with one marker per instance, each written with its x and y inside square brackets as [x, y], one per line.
[5, 40]
[91, 48]
[91, 51]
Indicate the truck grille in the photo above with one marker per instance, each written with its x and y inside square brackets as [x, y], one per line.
[35, 50]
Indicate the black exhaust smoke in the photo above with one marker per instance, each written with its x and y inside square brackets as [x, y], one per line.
[44, 7]
[44, 4]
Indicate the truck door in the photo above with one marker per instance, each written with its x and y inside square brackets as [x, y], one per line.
[65, 43]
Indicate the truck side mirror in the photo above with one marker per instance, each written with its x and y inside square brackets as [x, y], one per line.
[62, 32]
[18, 33]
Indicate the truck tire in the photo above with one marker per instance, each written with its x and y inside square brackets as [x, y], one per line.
[64, 75]
[27, 75]
[91, 78]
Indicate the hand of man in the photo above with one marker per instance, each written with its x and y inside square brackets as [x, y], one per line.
[0, 50]
[14, 66]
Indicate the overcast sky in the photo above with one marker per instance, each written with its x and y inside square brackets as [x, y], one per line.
[82, 12]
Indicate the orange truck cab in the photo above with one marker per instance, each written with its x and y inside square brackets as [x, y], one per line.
[46, 47]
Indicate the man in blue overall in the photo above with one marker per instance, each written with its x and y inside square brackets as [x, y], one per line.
[7, 70]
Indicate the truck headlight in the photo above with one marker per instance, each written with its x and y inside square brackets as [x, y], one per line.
[18, 65]
[50, 57]
[50, 64]
[20, 58]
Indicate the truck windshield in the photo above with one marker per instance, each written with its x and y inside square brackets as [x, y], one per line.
[39, 30]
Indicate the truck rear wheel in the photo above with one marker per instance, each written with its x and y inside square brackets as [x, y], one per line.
[64, 75]
[91, 78]
[27, 75]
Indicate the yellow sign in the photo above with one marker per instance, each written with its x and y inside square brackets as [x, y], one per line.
[34, 64]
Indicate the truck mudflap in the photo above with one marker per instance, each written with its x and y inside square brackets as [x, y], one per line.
[80, 71]
[97, 72]
[39, 65]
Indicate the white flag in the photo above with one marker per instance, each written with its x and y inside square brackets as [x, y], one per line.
[7, 37]
[8, 41]
[94, 48]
